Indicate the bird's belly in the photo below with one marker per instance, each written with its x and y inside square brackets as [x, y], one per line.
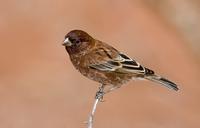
[107, 78]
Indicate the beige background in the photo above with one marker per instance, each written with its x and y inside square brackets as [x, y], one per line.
[39, 87]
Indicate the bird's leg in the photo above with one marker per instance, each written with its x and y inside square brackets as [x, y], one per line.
[98, 97]
[100, 93]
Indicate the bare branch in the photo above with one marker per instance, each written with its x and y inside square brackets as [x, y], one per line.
[98, 97]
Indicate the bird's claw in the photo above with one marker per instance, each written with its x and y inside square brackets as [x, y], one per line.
[99, 95]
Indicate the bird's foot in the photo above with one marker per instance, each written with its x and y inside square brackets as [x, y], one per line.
[99, 94]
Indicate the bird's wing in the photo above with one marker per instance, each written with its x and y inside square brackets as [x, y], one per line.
[121, 63]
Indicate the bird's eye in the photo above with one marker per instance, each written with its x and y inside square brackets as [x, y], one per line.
[77, 41]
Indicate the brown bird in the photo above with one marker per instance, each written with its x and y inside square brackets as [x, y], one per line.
[101, 62]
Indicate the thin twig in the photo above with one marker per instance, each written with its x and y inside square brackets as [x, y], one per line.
[91, 117]
[98, 97]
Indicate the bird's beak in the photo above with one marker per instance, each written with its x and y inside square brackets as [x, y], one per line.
[67, 42]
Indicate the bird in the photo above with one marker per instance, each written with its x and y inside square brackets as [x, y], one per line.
[106, 65]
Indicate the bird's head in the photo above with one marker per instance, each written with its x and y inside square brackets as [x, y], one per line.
[77, 40]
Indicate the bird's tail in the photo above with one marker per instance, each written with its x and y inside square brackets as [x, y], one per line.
[162, 81]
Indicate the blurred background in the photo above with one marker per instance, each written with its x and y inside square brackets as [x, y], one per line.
[40, 88]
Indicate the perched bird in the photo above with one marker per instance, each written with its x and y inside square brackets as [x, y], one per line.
[102, 63]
